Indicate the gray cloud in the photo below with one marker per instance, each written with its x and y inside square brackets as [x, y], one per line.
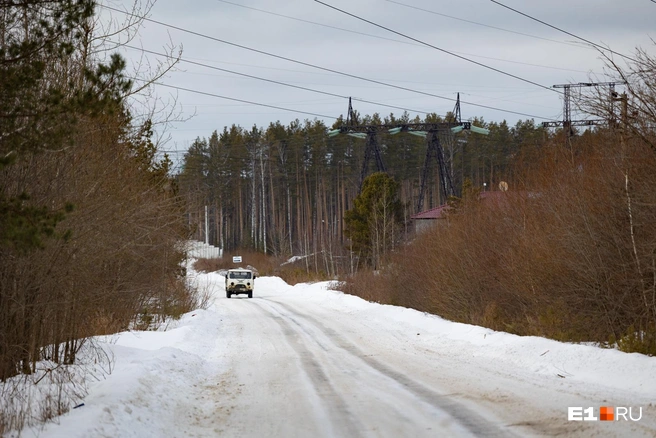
[621, 25]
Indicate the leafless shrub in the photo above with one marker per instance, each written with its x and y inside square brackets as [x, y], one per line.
[264, 264]
[111, 258]
[31, 400]
[569, 255]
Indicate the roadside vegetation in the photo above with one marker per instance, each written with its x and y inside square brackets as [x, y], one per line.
[90, 220]
[569, 252]
[286, 190]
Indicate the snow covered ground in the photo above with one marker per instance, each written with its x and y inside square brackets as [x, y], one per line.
[197, 249]
[305, 361]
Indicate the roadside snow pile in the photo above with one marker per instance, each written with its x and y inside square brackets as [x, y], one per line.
[167, 383]
[294, 259]
[630, 372]
[149, 384]
[52, 389]
[196, 249]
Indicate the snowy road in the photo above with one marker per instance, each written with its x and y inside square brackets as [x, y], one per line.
[306, 369]
[307, 362]
[321, 383]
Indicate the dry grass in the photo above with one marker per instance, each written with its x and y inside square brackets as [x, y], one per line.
[565, 258]
[265, 265]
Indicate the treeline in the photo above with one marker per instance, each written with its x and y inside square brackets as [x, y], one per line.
[90, 225]
[569, 252]
[285, 189]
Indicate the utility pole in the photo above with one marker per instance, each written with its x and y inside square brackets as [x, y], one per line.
[435, 148]
[371, 149]
[351, 117]
[207, 227]
[456, 110]
[567, 123]
[426, 130]
[625, 110]
[430, 131]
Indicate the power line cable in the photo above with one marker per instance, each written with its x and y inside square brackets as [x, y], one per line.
[415, 44]
[324, 68]
[313, 22]
[205, 93]
[478, 24]
[564, 31]
[327, 93]
[438, 48]
[274, 81]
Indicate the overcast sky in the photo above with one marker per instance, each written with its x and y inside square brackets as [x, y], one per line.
[479, 30]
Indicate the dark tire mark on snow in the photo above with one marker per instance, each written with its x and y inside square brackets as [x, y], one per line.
[472, 421]
[343, 421]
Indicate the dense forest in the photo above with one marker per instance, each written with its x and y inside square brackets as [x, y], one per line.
[90, 224]
[284, 190]
[567, 252]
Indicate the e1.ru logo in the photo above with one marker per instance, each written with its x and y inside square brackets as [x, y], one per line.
[606, 413]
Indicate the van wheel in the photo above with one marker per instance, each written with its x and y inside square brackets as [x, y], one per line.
[250, 295]
[228, 294]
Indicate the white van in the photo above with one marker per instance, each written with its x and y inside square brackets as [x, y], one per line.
[239, 281]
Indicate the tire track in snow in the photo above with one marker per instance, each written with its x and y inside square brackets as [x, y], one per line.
[342, 419]
[473, 422]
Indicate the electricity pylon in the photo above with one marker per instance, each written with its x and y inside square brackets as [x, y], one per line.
[567, 123]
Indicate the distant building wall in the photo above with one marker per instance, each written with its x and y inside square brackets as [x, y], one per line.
[423, 225]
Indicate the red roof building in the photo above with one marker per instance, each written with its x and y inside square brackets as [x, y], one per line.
[425, 219]
[433, 213]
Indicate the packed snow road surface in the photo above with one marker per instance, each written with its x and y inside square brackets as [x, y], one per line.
[323, 384]
[304, 361]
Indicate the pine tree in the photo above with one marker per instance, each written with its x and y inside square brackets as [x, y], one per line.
[374, 222]
[39, 105]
